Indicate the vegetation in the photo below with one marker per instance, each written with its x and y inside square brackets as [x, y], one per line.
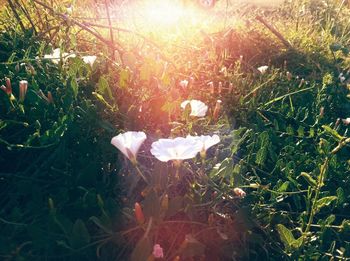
[276, 85]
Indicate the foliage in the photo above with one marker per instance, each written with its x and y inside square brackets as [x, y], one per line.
[276, 187]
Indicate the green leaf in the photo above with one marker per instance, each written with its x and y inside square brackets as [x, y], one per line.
[340, 196]
[309, 179]
[100, 224]
[286, 236]
[103, 87]
[80, 235]
[124, 77]
[326, 201]
[74, 86]
[332, 132]
[142, 250]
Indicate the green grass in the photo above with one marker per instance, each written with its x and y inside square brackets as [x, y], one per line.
[64, 195]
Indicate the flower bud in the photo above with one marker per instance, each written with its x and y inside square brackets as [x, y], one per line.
[217, 110]
[158, 251]
[337, 122]
[230, 88]
[8, 86]
[302, 81]
[239, 192]
[165, 202]
[211, 219]
[220, 88]
[49, 97]
[140, 218]
[23, 86]
[321, 112]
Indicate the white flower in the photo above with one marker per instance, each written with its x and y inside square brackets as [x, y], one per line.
[55, 56]
[206, 141]
[89, 59]
[198, 108]
[129, 143]
[341, 77]
[346, 121]
[263, 69]
[184, 84]
[176, 149]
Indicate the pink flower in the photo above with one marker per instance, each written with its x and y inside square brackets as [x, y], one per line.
[158, 251]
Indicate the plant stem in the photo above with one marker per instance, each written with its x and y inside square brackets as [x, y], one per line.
[140, 173]
[317, 193]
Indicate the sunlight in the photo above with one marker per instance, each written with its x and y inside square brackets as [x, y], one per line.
[163, 13]
[166, 13]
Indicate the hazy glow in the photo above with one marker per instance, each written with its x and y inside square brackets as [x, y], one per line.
[168, 13]
[164, 13]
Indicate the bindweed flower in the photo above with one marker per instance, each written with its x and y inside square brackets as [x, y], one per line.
[183, 84]
[177, 149]
[158, 251]
[23, 86]
[89, 59]
[140, 218]
[129, 143]
[55, 56]
[217, 110]
[198, 108]
[263, 69]
[239, 192]
[206, 141]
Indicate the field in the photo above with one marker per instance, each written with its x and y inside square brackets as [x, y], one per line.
[174, 130]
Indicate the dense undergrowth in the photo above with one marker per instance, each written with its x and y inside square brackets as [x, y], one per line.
[284, 137]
